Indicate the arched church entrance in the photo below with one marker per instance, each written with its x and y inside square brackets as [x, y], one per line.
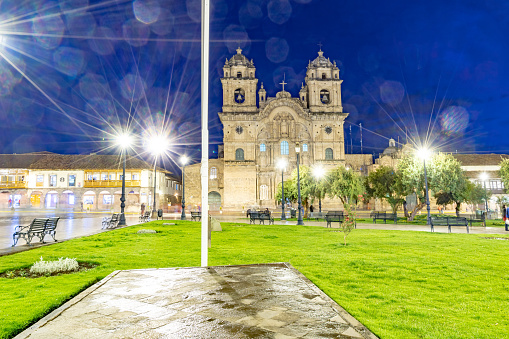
[214, 201]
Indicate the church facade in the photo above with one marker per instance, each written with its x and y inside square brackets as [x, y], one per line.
[260, 131]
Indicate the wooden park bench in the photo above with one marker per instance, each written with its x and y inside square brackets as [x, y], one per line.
[384, 216]
[145, 217]
[195, 215]
[260, 216]
[334, 216]
[38, 228]
[316, 215]
[51, 227]
[449, 222]
[471, 218]
[112, 221]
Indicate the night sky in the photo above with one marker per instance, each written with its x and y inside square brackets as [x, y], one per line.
[74, 73]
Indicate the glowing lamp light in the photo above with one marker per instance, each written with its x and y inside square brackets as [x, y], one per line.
[318, 172]
[157, 144]
[124, 140]
[184, 160]
[484, 176]
[424, 153]
[281, 164]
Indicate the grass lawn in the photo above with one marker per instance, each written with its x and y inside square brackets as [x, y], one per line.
[399, 284]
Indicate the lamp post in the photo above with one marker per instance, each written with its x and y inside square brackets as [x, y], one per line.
[157, 145]
[484, 178]
[124, 141]
[183, 161]
[424, 154]
[282, 165]
[318, 173]
[299, 202]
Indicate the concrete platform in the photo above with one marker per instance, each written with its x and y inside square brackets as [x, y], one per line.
[247, 301]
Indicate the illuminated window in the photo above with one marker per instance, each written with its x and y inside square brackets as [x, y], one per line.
[264, 192]
[72, 180]
[213, 173]
[304, 147]
[285, 150]
[263, 148]
[40, 180]
[53, 180]
[328, 154]
[239, 154]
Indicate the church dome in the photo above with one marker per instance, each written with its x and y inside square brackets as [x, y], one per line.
[239, 60]
[321, 61]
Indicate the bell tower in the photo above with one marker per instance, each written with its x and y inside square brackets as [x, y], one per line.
[323, 86]
[239, 85]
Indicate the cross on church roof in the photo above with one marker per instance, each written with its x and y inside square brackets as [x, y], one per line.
[320, 45]
[283, 83]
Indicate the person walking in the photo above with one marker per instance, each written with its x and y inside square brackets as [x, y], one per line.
[142, 208]
[506, 217]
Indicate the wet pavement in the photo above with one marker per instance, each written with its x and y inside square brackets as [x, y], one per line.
[245, 301]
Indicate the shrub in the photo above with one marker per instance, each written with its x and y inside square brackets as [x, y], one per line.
[49, 267]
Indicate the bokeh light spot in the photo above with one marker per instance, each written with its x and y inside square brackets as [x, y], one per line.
[48, 30]
[276, 49]
[103, 42]
[454, 120]
[135, 33]
[279, 11]
[93, 86]
[392, 92]
[69, 60]
[132, 87]
[146, 11]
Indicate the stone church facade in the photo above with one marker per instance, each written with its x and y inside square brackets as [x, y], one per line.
[259, 131]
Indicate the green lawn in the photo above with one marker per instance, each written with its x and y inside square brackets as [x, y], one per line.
[399, 284]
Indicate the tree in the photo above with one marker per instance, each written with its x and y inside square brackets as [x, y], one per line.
[384, 184]
[504, 173]
[411, 181]
[289, 193]
[447, 180]
[349, 223]
[344, 184]
[477, 194]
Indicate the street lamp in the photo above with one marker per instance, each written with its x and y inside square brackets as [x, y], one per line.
[424, 153]
[282, 165]
[183, 160]
[484, 178]
[318, 173]
[123, 141]
[157, 145]
[299, 202]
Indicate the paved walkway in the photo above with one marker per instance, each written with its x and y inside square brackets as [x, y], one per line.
[248, 301]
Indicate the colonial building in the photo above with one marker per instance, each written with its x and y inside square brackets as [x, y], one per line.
[259, 131]
[82, 182]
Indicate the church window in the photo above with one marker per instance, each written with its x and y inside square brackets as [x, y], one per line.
[285, 150]
[264, 192]
[304, 147]
[336, 76]
[323, 75]
[239, 154]
[263, 148]
[251, 74]
[213, 173]
[328, 154]
[239, 74]
[226, 74]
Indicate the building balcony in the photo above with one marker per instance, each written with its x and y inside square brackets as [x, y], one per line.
[111, 183]
[13, 184]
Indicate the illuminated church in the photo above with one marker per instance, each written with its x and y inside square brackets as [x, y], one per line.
[260, 130]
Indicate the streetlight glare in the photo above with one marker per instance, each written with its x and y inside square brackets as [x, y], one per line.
[281, 164]
[318, 172]
[184, 160]
[124, 140]
[424, 153]
[157, 144]
[484, 176]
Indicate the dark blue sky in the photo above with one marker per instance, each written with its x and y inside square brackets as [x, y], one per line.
[415, 68]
